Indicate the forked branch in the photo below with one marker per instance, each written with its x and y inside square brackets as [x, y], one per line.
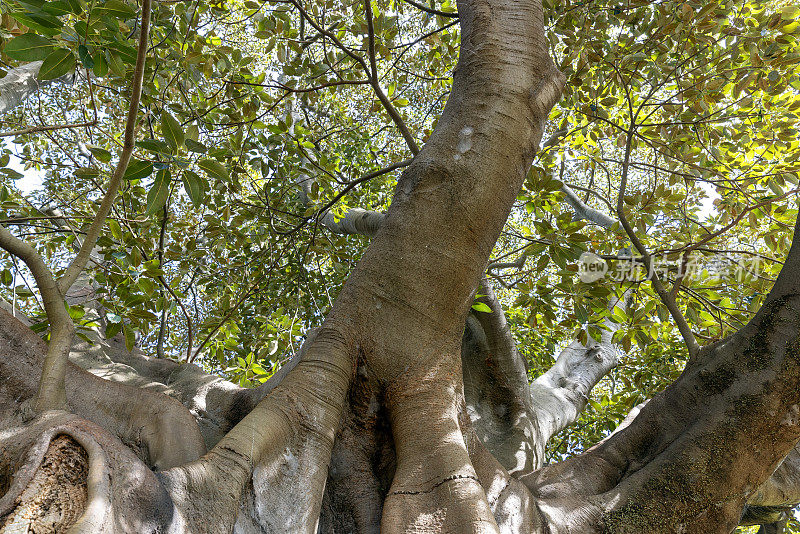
[51, 393]
[665, 296]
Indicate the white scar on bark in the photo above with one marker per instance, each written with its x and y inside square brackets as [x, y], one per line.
[464, 142]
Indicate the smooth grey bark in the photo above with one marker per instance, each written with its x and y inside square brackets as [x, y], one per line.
[21, 82]
[561, 394]
[355, 221]
[584, 211]
[161, 429]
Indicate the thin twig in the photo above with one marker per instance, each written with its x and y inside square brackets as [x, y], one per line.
[430, 10]
[376, 86]
[45, 128]
[658, 286]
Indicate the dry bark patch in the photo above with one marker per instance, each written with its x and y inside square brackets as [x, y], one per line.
[56, 496]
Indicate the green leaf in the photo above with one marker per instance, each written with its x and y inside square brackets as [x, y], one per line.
[159, 191]
[11, 174]
[100, 63]
[28, 47]
[6, 277]
[194, 146]
[126, 53]
[173, 133]
[116, 229]
[138, 169]
[75, 5]
[57, 8]
[23, 292]
[115, 63]
[85, 338]
[57, 64]
[86, 172]
[195, 187]
[100, 153]
[85, 57]
[214, 169]
[146, 285]
[31, 5]
[481, 307]
[40, 327]
[118, 9]
[41, 22]
[130, 337]
[790, 12]
[154, 145]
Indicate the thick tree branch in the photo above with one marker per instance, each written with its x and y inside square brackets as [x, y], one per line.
[301, 413]
[561, 393]
[782, 489]
[51, 394]
[160, 428]
[584, 211]
[79, 262]
[355, 220]
[496, 388]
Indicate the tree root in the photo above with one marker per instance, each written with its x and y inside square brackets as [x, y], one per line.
[160, 428]
[121, 493]
[435, 487]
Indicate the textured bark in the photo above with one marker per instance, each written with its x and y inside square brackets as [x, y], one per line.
[697, 451]
[55, 498]
[123, 494]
